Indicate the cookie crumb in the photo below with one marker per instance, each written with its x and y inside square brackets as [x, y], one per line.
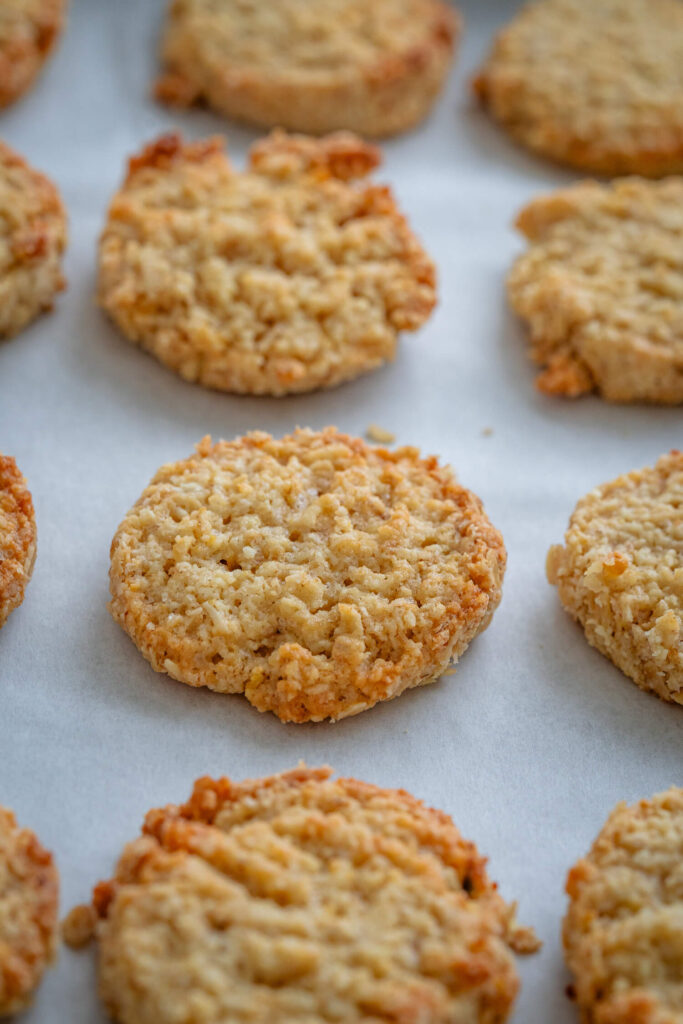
[524, 939]
[379, 435]
[487, 432]
[78, 927]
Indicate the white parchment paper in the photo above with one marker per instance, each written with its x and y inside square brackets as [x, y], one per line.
[534, 739]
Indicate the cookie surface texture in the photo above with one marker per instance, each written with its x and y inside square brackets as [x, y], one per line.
[32, 240]
[28, 913]
[17, 537]
[598, 86]
[623, 934]
[299, 897]
[315, 574]
[289, 276]
[374, 68]
[601, 288]
[28, 32]
[620, 574]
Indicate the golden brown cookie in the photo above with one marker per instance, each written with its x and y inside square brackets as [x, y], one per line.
[375, 68]
[620, 573]
[597, 85]
[315, 574]
[286, 277]
[601, 287]
[28, 31]
[623, 934]
[302, 898]
[29, 890]
[17, 536]
[32, 240]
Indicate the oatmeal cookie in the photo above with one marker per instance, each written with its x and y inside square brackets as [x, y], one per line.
[601, 287]
[32, 240]
[598, 85]
[620, 574]
[316, 574]
[17, 537]
[623, 934]
[28, 913]
[28, 31]
[283, 278]
[302, 898]
[375, 68]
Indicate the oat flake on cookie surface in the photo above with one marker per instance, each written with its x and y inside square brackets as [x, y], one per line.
[375, 68]
[288, 276]
[304, 898]
[596, 84]
[623, 933]
[601, 288]
[620, 573]
[316, 574]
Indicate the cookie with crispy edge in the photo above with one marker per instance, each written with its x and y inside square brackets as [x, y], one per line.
[601, 288]
[29, 30]
[598, 86]
[17, 536]
[302, 897]
[623, 933]
[288, 276]
[374, 68]
[32, 240]
[29, 892]
[620, 574]
[314, 573]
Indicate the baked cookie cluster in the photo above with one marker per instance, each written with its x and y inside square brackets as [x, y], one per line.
[374, 68]
[289, 276]
[302, 897]
[315, 574]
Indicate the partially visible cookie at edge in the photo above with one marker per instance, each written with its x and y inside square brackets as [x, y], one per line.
[302, 897]
[29, 30]
[601, 288]
[314, 573]
[598, 85]
[32, 240]
[29, 894]
[288, 276]
[623, 933]
[620, 574]
[373, 68]
[17, 536]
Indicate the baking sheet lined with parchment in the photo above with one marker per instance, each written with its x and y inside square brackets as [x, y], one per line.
[534, 739]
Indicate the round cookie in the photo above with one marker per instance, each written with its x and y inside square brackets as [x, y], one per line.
[17, 537]
[301, 898]
[375, 68]
[620, 574]
[623, 934]
[29, 889]
[28, 31]
[315, 574]
[598, 86]
[283, 278]
[32, 240]
[601, 287]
